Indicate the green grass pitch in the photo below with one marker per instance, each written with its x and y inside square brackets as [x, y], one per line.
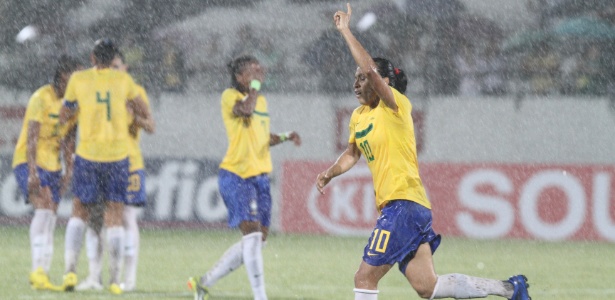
[319, 267]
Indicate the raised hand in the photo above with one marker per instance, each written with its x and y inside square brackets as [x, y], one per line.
[342, 19]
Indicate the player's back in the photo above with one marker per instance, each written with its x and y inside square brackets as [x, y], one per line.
[101, 96]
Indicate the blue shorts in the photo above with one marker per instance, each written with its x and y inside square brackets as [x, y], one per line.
[135, 194]
[100, 181]
[401, 228]
[245, 199]
[53, 180]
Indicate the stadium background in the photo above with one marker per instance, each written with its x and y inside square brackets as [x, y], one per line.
[515, 165]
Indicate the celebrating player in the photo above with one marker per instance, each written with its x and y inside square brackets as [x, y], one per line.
[101, 98]
[136, 199]
[243, 177]
[381, 129]
[37, 166]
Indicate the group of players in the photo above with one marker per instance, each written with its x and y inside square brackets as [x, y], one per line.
[110, 109]
[91, 118]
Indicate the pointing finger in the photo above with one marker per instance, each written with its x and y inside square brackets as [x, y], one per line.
[349, 9]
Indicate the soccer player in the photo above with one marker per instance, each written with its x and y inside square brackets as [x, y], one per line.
[136, 199]
[243, 177]
[38, 169]
[381, 129]
[101, 98]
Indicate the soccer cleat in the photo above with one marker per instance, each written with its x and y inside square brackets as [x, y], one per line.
[70, 281]
[89, 284]
[39, 280]
[200, 292]
[126, 287]
[115, 289]
[520, 284]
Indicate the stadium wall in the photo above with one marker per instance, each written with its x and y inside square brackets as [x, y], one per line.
[540, 168]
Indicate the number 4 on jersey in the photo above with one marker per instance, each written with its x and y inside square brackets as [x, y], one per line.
[106, 101]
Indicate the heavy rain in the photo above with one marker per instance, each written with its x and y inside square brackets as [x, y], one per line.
[307, 149]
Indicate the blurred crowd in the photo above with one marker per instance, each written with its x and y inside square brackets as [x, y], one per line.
[444, 49]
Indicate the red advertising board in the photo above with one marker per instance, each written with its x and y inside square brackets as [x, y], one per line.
[543, 202]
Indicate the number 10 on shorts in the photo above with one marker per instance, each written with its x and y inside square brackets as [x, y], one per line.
[383, 240]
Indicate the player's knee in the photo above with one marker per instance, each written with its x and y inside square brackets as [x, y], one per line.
[424, 293]
[424, 289]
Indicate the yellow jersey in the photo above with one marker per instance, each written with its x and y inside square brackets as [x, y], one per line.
[43, 107]
[135, 157]
[248, 137]
[100, 95]
[386, 140]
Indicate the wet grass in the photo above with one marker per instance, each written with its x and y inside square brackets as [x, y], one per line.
[319, 267]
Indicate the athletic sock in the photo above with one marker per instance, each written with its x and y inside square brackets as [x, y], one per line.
[229, 262]
[462, 286]
[38, 236]
[131, 246]
[115, 242]
[73, 243]
[94, 250]
[51, 228]
[253, 260]
[361, 294]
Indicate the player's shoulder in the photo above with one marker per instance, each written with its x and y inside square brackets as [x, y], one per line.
[83, 73]
[399, 96]
[140, 89]
[44, 92]
[231, 94]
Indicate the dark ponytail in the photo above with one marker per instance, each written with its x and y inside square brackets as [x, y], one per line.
[236, 66]
[397, 77]
[401, 81]
[66, 64]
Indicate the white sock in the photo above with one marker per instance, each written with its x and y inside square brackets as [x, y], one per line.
[229, 262]
[73, 243]
[115, 242]
[361, 294]
[94, 250]
[51, 228]
[38, 236]
[131, 246]
[462, 286]
[253, 260]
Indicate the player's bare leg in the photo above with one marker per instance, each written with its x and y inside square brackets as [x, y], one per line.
[422, 276]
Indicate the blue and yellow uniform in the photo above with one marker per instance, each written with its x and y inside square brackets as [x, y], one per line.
[386, 140]
[43, 107]
[243, 178]
[136, 179]
[101, 165]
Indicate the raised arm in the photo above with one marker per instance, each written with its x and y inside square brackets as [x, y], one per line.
[363, 59]
[245, 107]
[345, 162]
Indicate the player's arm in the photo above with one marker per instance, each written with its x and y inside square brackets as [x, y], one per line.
[34, 129]
[344, 163]
[142, 115]
[68, 145]
[245, 107]
[67, 112]
[363, 59]
[278, 138]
